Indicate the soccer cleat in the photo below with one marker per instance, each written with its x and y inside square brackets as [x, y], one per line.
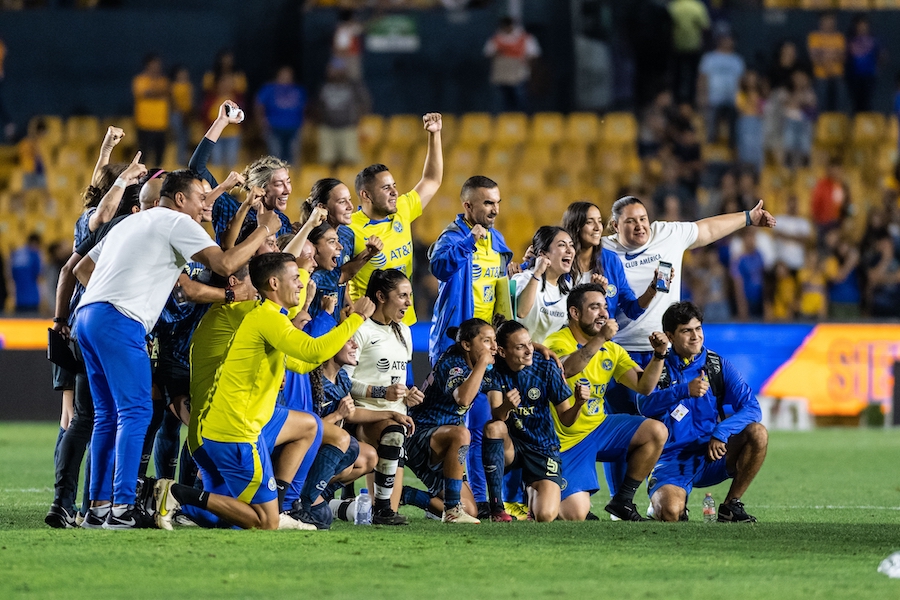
[317, 516]
[143, 494]
[130, 519]
[591, 517]
[388, 517]
[501, 516]
[166, 504]
[285, 521]
[79, 518]
[626, 511]
[60, 517]
[94, 521]
[458, 515]
[432, 516]
[484, 510]
[517, 510]
[733, 512]
[184, 520]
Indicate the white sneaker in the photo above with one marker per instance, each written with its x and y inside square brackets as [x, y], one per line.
[285, 521]
[166, 504]
[458, 515]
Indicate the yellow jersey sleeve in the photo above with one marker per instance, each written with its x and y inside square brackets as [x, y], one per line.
[561, 342]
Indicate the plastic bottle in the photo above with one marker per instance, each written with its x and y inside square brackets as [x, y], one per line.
[709, 509]
[345, 510]
[363, 508]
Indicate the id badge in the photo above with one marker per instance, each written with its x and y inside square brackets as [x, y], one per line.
[679, 412]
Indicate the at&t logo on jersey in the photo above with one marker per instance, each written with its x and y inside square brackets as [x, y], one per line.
[401, 252]
[379, 261]
[383, 365]
[476, 271]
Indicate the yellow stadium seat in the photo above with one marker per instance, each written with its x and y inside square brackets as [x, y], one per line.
[569, 156]
[65, 180]
[869, 128]
[449, 129]
[619, 128]
[475, 129]
[886, 4]
[854, 4]
[779, 3]
[499, 159]
[404, 130]
[53, 135]
[610, 160]
[513, 199]
[551, 205]
[71, 156]
[510, 129]
[371, 131]
[84, 130]
[546, 128]
[533, 180]
[816, 4]
[309, 174]
[347, 175]
[395, 157]
[428, 227]
[887, 158]
[517, 227]
[464, 158]
[582, 127]
[536, 156]
[831, 129]
[717, 153]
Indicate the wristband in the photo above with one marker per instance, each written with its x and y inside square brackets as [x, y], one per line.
[379, 391]
[661, 356]
[229, 296]
[58, 320]
[749, 221]
[120, 183]
[535, 277]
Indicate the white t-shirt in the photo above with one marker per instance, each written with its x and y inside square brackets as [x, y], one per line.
[383, 361]
[668, 241]
[140, 259]
[793, 253]
[548, 313]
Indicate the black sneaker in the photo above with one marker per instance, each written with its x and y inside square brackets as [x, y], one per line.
[94, 521]
[130, 519]
[626, 511]
[733, 512]
[387, 516]
[588, 517]
[484, 511]
[143, 495]
[319, 515]
[60, 517]
[685, 515]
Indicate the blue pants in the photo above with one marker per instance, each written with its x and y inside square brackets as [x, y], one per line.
[118, 370]
[621, 400]
[476, 419]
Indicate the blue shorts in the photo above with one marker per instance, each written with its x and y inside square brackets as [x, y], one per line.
[271, 430]
[687, 472]
[241, 470]
[608, 442]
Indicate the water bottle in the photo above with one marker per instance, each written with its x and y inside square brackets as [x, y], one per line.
[363, 508]
[709, 509]
[345, 510]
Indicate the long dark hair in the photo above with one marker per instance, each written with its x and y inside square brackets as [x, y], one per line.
[319, 193]
[384, 281]
[466, 332]
[574, 219]
[541, 242]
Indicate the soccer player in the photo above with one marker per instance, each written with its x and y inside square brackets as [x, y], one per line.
[233, 455]
[705, 446]
[590, 358]
[388, 215]
[522, 435]
[437, 449]
[469, 258]
[382, 386]
[128, 277]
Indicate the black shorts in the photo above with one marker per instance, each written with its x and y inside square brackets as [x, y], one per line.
[174, 380]
[62, 379]
[535, 465]
[418, 459]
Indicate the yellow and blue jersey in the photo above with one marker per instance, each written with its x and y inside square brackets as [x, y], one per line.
[396, 233]
[439, 406]
[487, 268]
[610, 362]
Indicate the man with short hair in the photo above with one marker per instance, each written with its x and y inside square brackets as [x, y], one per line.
[128, 278]
[705, 447]
[388, 215]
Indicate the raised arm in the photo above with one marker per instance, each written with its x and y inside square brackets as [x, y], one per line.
[577, 361]
[316, 218]
[253, 200]
[433, 172]
[715, 228]
[525, 301]
[465, 394]
[643, 381]
[65, 287]
[200, 157]
[108, 206]
[226, 262]
[568, 410]
[113, 136]
[374, 245]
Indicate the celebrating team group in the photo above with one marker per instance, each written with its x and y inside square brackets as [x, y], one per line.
[285, 348]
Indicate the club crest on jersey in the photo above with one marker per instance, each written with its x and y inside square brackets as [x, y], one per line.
[379, 261]
[272, 485]
[456, 371]
[534, 393]
[611, 290]
[398, 226]
[607, 364]
[383, 365]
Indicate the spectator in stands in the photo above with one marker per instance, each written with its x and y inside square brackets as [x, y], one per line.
[842, 267]
[748, 275]
[726, 192]
[794, 235]
[279, 108]
[151, 93]
[813, 282]
[8, 127]
[224, 68]
[863, 56]
[511, 50]
[720, 74]
[690, 20]
[27, 266]
[749, 129]
[786, 62]
[671, 185]
[827, 49]
[225, 153]
[828, 198]
[883, 275]
[654, 125]
[710, 286]
[784, 293]
[31, 157]
[346, 45]
[182, 111]
[4, 286]
[687, 151]
[342, 102]
[799, 115]
[748, 194]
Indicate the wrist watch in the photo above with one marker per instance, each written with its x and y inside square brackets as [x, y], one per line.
[662, 356]
[229, 296]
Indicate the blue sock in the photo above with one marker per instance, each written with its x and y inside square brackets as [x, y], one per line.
[452, 490]
[492, 457]
[323, 469]
[415, 497]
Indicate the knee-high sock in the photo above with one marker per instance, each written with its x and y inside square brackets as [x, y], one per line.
[452, 490]
[478, 416]
[390, 448]
[492, 452]
[296, 487]
[323, 469]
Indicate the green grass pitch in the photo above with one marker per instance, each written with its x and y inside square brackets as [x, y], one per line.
[828, 502]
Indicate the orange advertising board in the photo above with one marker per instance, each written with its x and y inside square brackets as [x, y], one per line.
[840, 368]
[24, 334]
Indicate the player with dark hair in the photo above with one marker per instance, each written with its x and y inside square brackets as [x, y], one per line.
[388, 215]
[437, 450]
[706, 446]
[522, 435]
